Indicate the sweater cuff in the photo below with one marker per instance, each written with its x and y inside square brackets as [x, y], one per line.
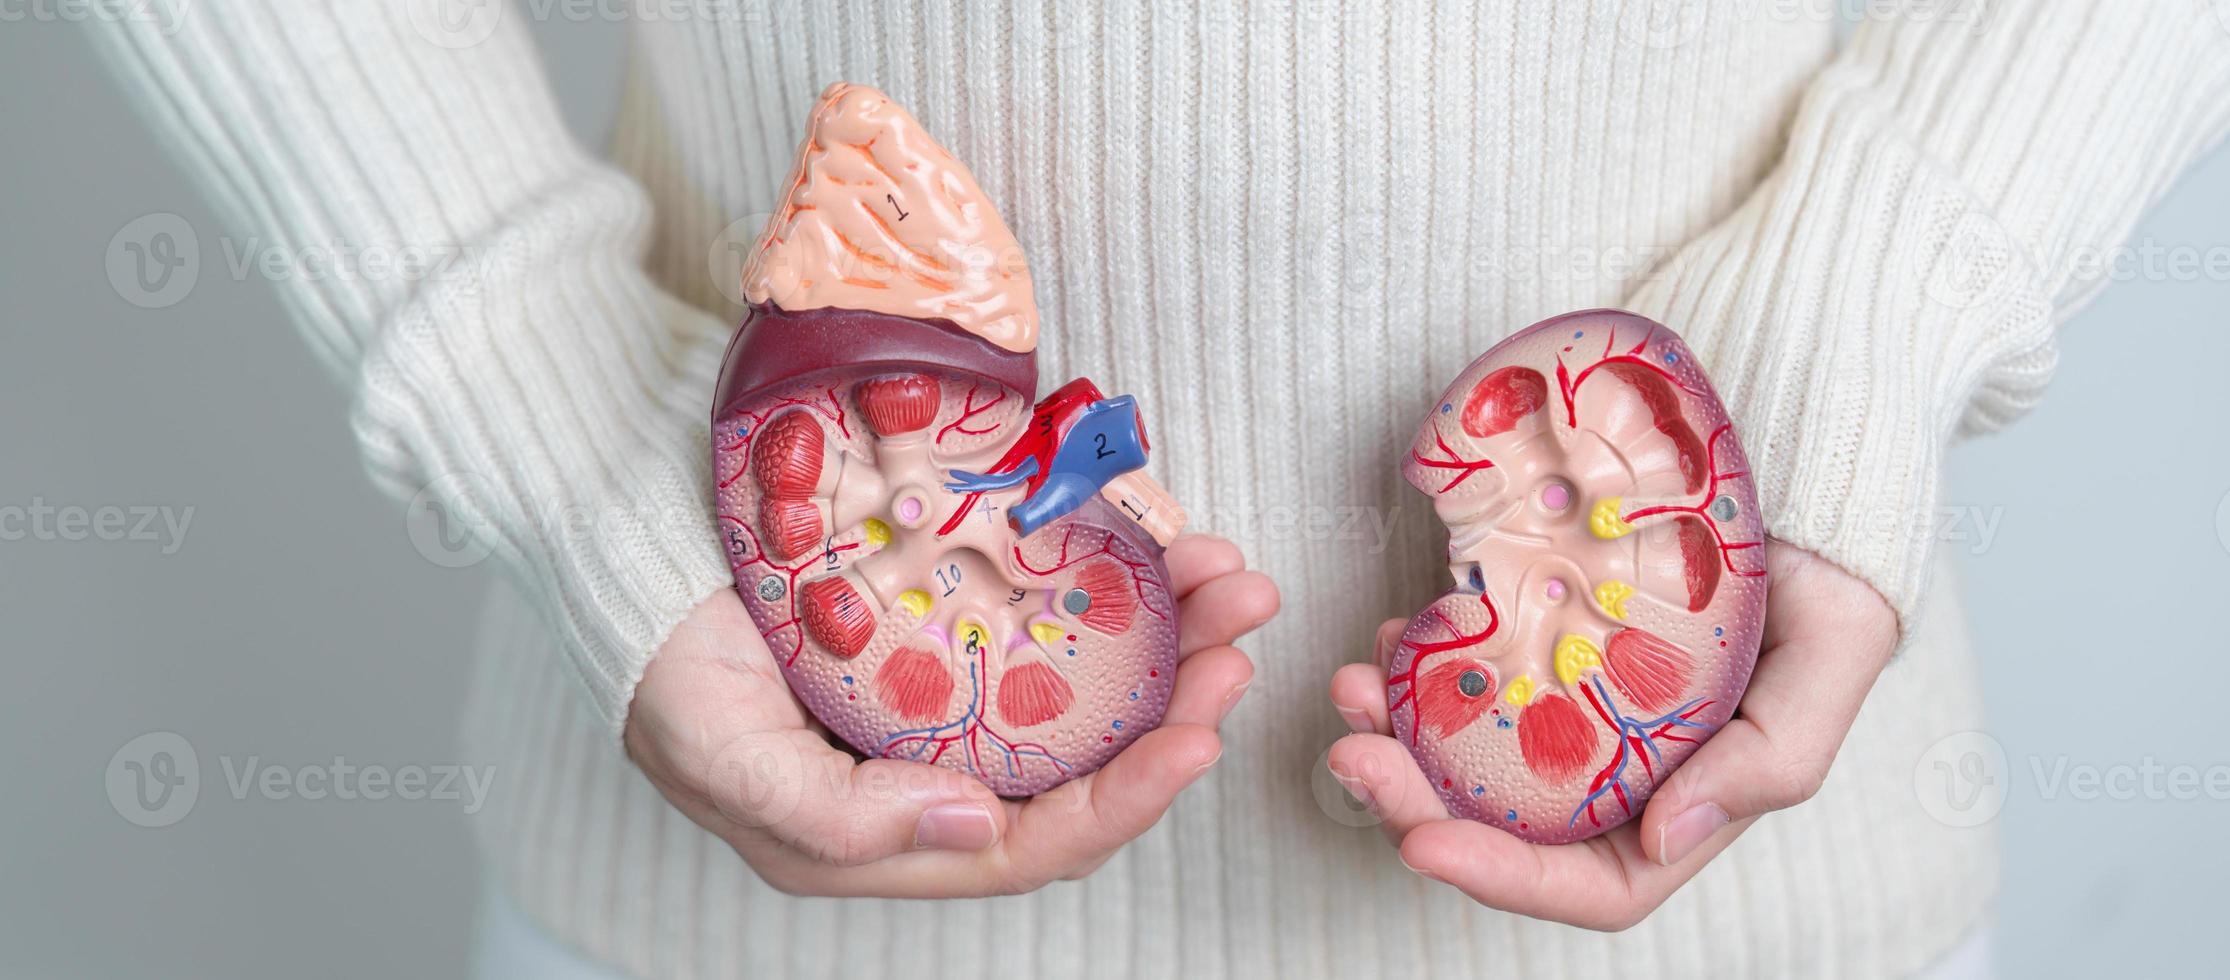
[1844, 371]
[553, 402]
[1941, 205]
[532, 388]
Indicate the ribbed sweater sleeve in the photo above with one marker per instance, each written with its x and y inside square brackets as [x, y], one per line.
[1954, 186]
[534, 384]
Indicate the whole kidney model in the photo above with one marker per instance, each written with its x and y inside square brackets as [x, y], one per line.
[948, 568]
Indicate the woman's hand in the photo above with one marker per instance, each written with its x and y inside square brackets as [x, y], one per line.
[718, 732]
[1827, 636]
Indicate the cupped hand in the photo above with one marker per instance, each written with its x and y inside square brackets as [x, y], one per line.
[1827, 637]
[719, 733]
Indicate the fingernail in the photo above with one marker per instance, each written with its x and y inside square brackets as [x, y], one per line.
[1357, 789]
[1231, 701]
[1210, 764]
[1422, 872]
[956, 827]
[1686, 832]
[1357, 719]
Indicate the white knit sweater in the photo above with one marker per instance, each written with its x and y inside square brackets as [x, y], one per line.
[1284, 226]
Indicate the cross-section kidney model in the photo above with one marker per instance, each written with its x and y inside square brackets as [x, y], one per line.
[1610, 577]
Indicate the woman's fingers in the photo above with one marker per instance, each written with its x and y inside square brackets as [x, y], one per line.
[715, 726]
[1375, 769]
[1602, 883]
[1827, 637]
[1209, 684]
[1386, 641]
[1224, 609]
[716, 729]
[1218, 600]
[1061, 834]
[1081, 821]
[1774, 755]
[794, 788]
[1104, 809]
[1381, 775]
[1197, 558]
[1359, 692]
[714, 668]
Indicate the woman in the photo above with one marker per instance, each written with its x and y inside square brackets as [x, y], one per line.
[1283, 227]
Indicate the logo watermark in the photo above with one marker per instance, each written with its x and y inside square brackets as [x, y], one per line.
[1961, 780]
[1964, 780]
[167, 15]
[1344, 796]
[455, 23]
[731, 251]
[162, 525]
[155, 261]
[155, 780]
[1667, 23]
[1973, 528]
[1980, 263]
[1370, 527]
[458, 519]
[2222, 521]
[466, 23]
[453, 521]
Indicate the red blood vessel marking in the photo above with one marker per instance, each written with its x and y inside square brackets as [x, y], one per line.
[1049, 422]
[968, 412]
[1700, 512]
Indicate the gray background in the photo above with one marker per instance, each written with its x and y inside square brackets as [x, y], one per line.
[296, 622]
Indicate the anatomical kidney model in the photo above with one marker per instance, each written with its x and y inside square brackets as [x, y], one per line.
[945, 573]
[1610, 583]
